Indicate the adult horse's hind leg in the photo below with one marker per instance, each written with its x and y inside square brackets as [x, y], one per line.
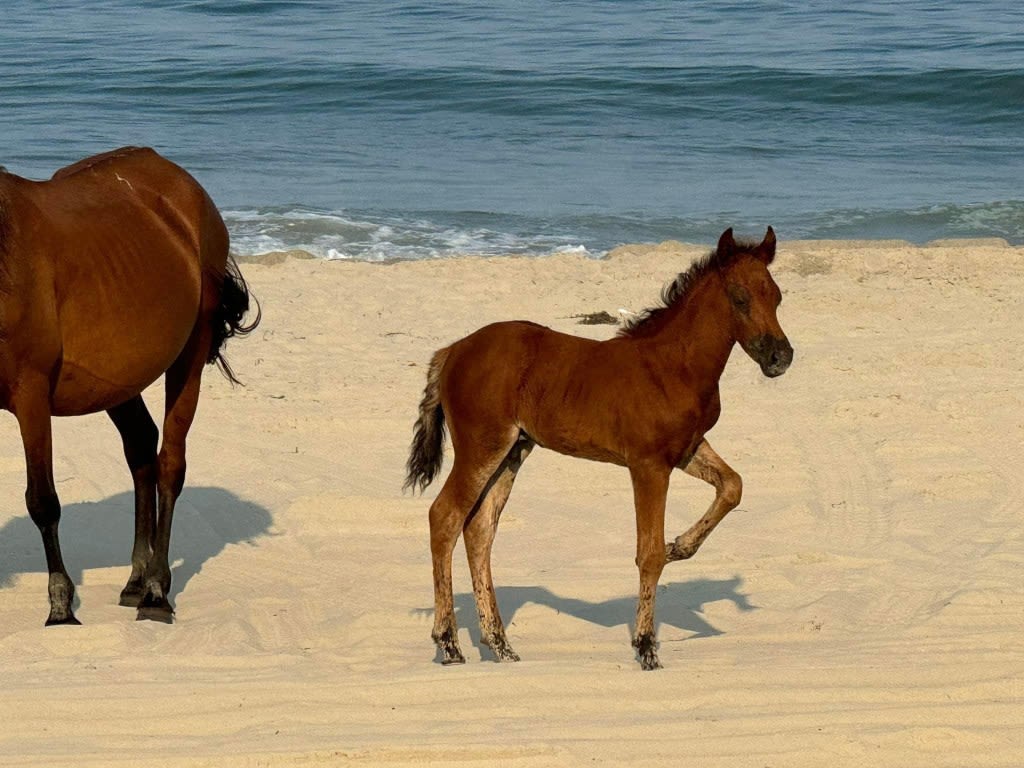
[457, 500]
[709, 467]
[478, 532]
[182, 395]
[139, 437]
[32, 409]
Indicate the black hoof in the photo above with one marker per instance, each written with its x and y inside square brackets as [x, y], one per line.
[154, 613]
[502, 650]
[647, 652]
[448, 644]
[155, 609]
[69, 620]
[650, 662]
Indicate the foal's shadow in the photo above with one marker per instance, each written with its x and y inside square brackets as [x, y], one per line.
[100, 535]
[679, 604]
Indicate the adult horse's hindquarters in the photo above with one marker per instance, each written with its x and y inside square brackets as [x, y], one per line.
[113, 272]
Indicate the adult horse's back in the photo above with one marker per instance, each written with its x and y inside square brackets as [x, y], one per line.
[112, 273]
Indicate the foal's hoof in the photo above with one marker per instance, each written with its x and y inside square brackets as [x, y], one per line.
[68, 620]
[675, 552]
[502, 650]
[155, 609]
[451, 656]
[647, 652]
[649, 662]
[447, 643]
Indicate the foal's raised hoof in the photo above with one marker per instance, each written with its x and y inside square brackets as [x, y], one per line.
[155, 609]
[675, 551]
[68, 620]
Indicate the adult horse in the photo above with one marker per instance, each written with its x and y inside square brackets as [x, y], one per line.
[643, 400]
[112, 273]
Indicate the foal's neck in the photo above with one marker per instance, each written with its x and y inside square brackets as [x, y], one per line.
[697, 333]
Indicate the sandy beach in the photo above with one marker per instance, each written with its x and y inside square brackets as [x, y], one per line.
[863, 607]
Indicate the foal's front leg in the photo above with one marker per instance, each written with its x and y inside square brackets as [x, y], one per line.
[709, 467]
[650, 488]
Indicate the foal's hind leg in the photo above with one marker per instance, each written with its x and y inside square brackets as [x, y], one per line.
[139, 437]
[182, 395]
[454, 504]
[31, 406]
[709, 467]
[478, 532]
[650, 489]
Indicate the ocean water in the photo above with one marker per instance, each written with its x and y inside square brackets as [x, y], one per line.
[376, 130]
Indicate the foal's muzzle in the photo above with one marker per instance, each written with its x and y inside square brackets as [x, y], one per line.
[773, 354]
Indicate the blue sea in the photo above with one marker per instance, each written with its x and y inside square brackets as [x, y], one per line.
[378, 130]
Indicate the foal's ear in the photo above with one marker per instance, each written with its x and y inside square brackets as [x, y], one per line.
[766, 250]
[726, 245]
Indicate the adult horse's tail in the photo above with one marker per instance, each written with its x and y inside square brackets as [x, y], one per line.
[427, 450]
[228, 317]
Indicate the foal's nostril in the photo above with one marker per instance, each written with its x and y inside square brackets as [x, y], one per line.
[779, 357]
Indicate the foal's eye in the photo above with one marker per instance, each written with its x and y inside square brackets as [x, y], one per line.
[739, 297]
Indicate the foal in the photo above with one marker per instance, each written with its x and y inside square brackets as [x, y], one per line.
[643, 400]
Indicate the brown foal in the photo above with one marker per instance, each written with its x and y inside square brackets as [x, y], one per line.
[112, 273]
[643, 400]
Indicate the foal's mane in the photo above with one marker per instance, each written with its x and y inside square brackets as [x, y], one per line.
[675, 293]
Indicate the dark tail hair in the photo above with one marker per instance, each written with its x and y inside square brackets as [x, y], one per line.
[427, 451]
[227, 319]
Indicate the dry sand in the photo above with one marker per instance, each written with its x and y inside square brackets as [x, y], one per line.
[863, 607]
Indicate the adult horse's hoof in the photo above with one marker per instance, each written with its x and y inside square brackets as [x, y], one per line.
[155, 609]
[155, 613]
[69, 620]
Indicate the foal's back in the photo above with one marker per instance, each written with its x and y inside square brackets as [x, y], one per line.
[599, 400]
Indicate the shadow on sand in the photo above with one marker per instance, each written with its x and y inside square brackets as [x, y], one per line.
[100, 534]
[679, 604]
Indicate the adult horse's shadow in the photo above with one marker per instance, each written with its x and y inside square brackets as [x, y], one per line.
[680, 605]
[100, 535]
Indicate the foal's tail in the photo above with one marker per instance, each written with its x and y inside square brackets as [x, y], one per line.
[227, 318]
[427, 450]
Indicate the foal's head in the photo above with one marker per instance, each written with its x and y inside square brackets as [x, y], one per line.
[754, 298]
